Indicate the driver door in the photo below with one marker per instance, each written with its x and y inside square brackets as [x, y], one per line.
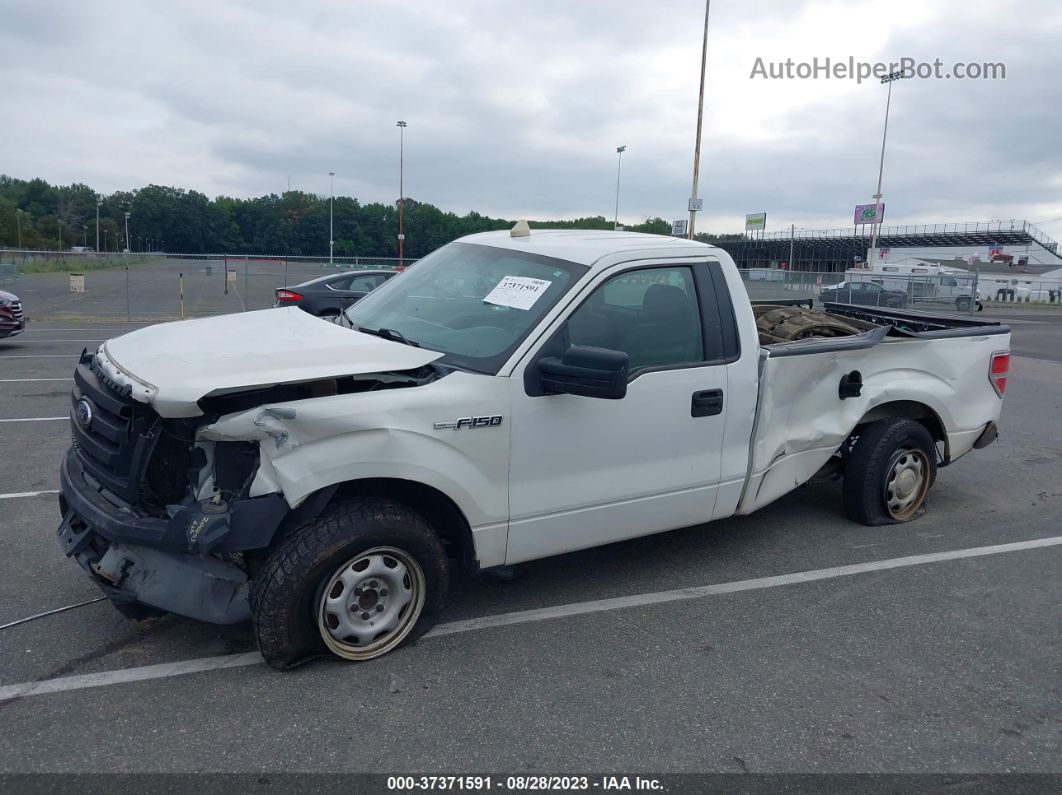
[586, 471]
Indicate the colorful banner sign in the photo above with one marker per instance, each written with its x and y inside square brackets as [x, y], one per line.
[869, 214]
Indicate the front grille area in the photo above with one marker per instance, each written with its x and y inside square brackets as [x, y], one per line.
[114, 437]
[16, 308]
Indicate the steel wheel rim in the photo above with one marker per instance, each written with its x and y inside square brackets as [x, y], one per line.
[371, 603]
[906, 483]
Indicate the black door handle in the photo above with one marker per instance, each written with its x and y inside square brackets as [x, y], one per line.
[707, 403]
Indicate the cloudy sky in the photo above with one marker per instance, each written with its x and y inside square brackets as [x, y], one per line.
[516, 109]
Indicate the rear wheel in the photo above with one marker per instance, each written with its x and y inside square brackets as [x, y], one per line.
[963, 304]
[889, 472]
[364, 578]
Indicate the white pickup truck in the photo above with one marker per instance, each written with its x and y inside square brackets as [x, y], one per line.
[513, 396]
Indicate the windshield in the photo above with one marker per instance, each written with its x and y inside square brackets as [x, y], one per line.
[473, 303]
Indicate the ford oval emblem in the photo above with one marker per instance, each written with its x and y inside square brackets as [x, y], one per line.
[83, 413]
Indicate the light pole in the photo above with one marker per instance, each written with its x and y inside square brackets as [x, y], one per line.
[105, 243]
[890, 78]
[331, 201]
[619, 164]
[401, 190]
[18, 223]
[61, 234]
[97, 224]
[127, 232]
[700, 115]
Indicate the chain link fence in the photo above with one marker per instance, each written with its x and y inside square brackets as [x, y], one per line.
[155, 287]
[9, 273]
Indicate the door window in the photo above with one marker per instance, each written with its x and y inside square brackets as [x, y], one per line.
[338, 284]
[364, 284]
[651, 314]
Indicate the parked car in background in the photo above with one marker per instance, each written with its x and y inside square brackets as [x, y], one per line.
[864, 293]
[328, 296]
[12, 320]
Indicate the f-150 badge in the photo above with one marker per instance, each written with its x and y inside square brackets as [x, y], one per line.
[471, 422]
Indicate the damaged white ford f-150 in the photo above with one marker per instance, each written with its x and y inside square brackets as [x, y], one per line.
[513, 396]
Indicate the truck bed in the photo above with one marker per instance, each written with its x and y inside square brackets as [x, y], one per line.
[933, 367]
[886, 323]
[912, 322]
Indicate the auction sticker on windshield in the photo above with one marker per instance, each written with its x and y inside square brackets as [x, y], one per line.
[519, 292]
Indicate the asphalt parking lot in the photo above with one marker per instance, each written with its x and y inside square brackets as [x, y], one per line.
[948, 664]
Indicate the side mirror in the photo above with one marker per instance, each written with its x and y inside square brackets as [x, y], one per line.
[586, 371]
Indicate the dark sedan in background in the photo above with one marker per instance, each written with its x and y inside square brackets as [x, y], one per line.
[328, 296]
[864, 293]
[12, 321]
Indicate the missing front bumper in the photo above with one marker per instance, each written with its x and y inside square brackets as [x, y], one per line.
[195, 586]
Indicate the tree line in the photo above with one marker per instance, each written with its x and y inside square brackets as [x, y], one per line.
[37, 215]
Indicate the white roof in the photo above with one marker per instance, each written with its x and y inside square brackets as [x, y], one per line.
[587, 246]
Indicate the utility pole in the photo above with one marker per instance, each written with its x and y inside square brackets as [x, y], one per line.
[331, 201]
[619, 164]
[61, 234]
[890, 79]
[97, 224]
[694, 202]
[127, 246]
[18, 223]
[401, 191]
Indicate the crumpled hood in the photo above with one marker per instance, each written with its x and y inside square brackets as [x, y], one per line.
[177, 364]
[6, 296]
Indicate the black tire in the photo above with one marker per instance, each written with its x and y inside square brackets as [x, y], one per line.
[286, 595]
[870, 471]
[962, 304]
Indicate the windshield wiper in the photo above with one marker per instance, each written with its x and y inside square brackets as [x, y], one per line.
[390, 334]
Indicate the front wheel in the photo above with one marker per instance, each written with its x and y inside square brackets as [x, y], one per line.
[963, 304]
[366, 577]
[889, 472]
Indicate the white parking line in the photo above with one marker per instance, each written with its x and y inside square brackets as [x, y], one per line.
[35, 419]
[164, 670]
[36, 329]
[17, 494]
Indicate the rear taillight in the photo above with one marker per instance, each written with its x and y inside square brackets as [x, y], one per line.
[998, 370]
[288, 295]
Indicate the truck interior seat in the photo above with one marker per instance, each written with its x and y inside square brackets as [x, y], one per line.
[667, 331]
